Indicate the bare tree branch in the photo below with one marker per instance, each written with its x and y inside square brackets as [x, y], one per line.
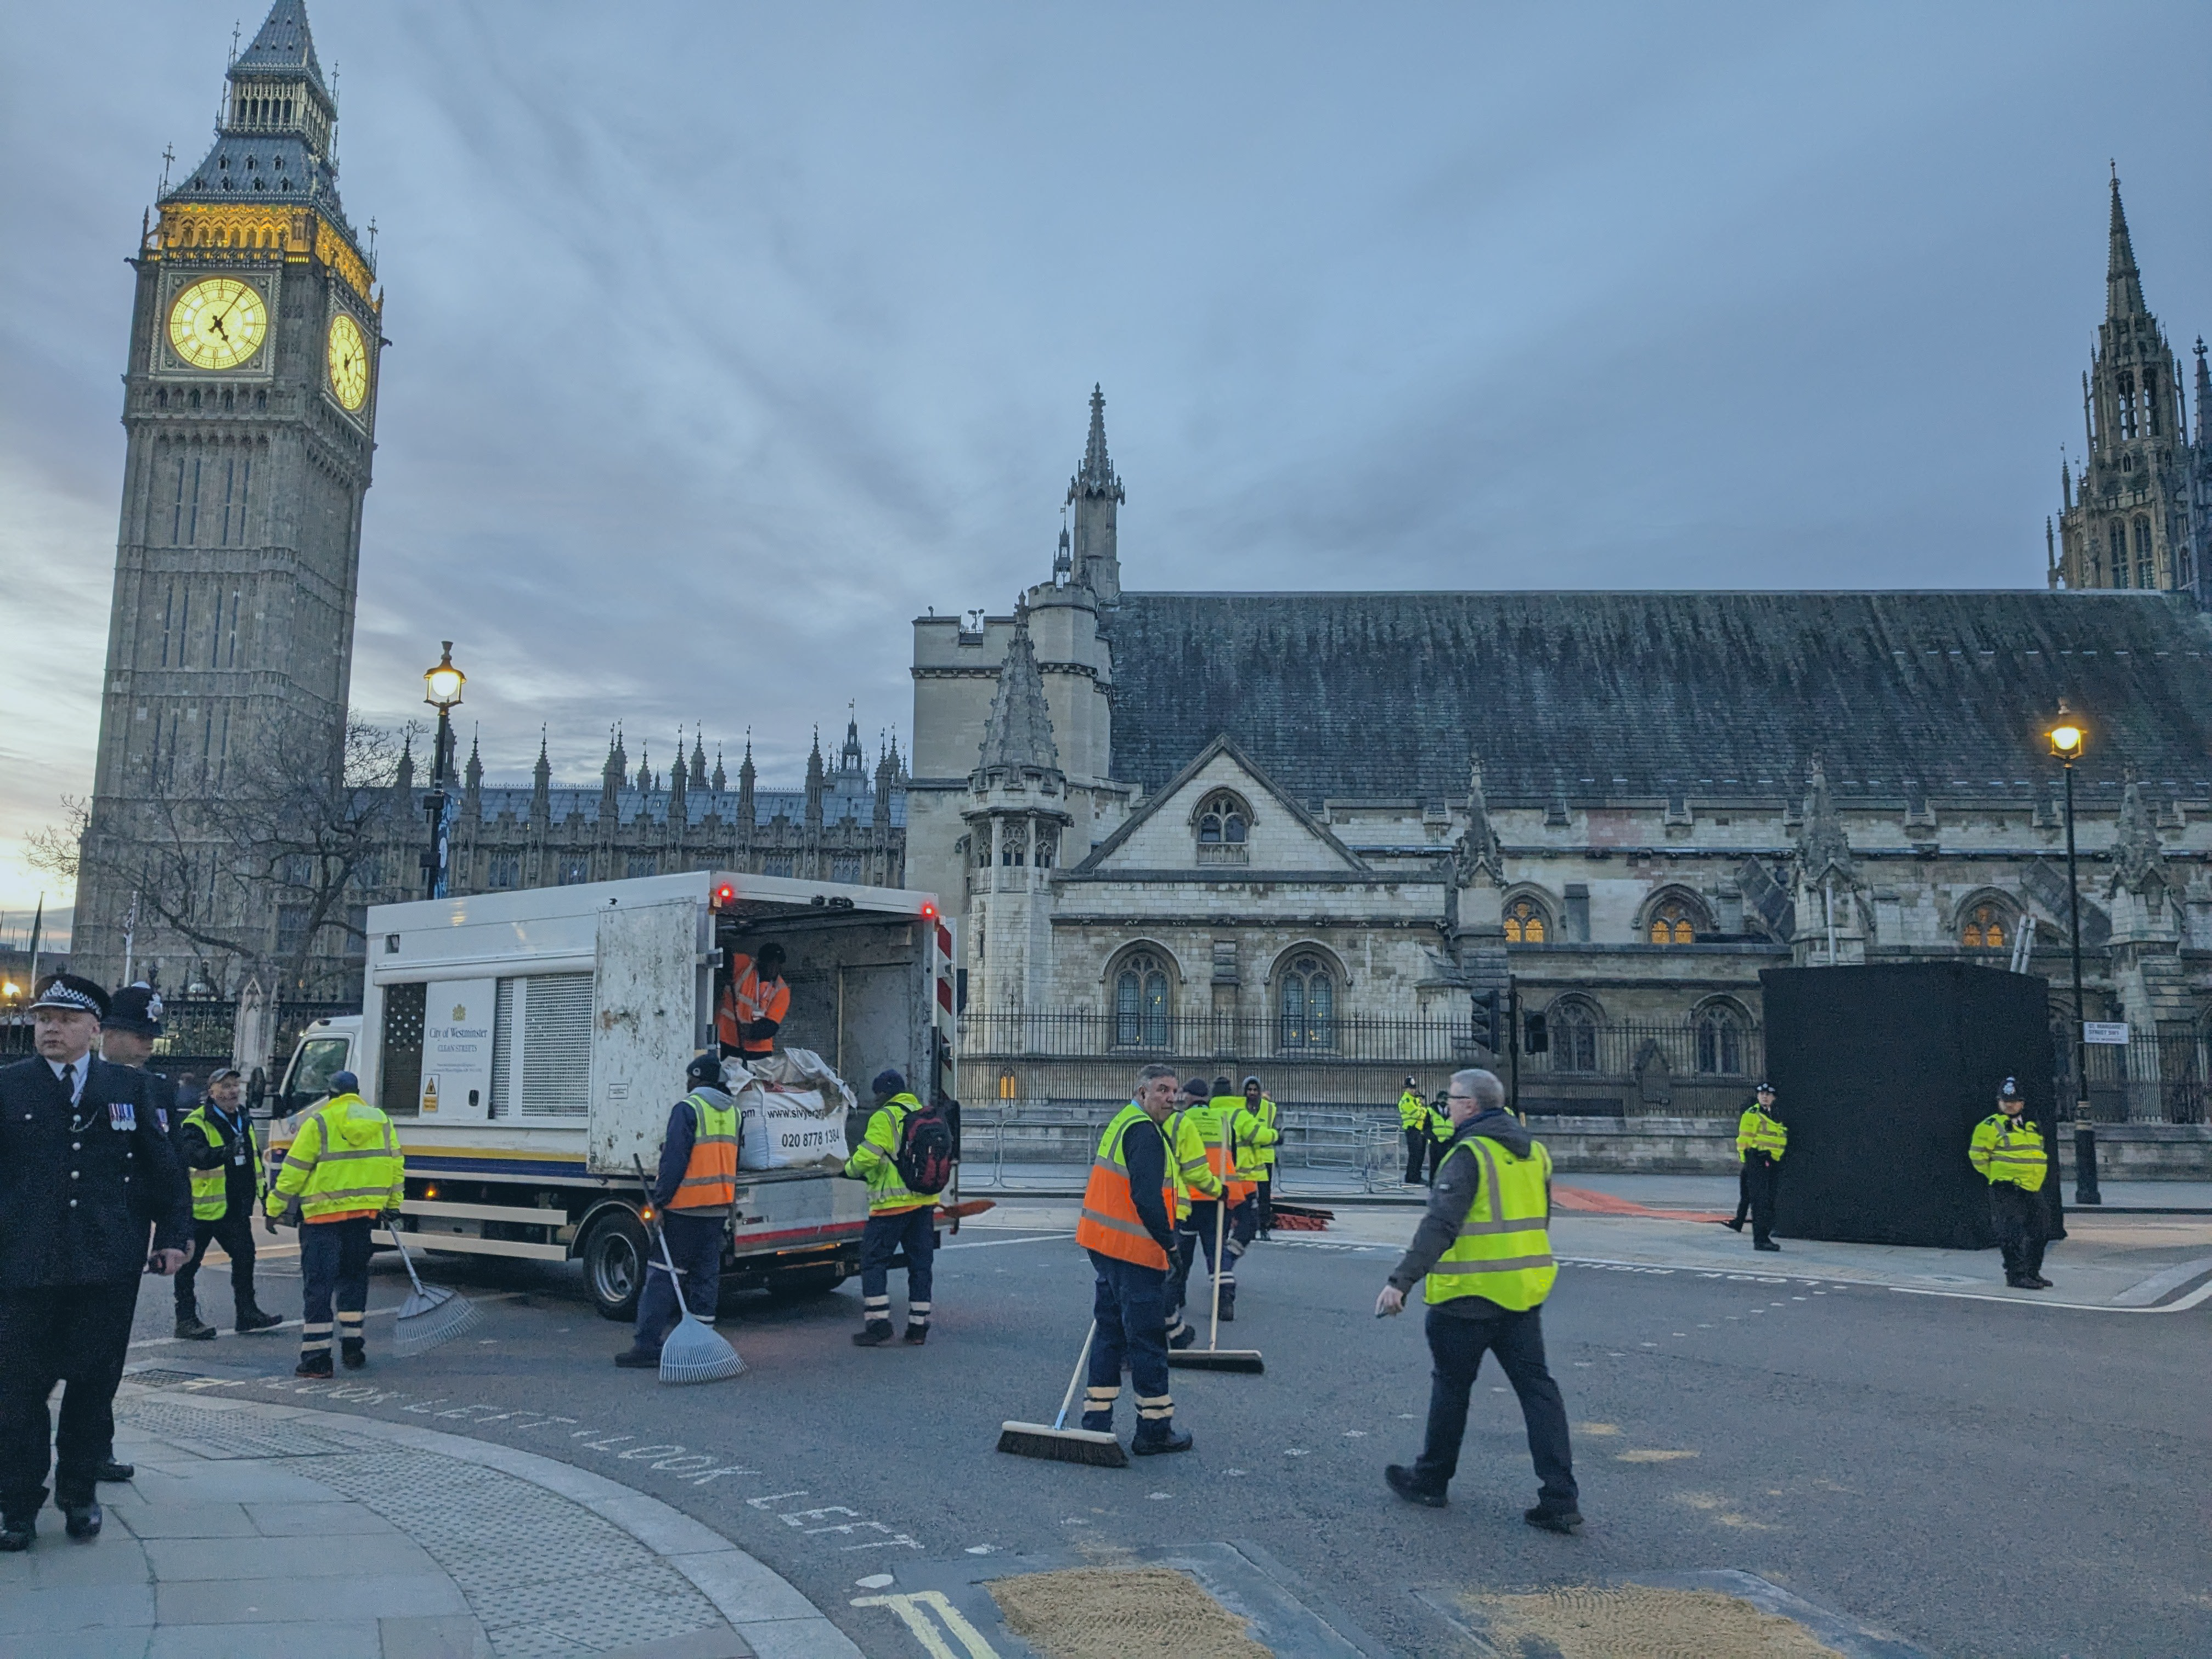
[284, 835]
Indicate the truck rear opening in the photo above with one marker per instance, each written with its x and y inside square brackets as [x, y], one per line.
[529, 1047]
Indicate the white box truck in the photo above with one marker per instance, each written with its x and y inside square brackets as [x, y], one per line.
[529, 1046]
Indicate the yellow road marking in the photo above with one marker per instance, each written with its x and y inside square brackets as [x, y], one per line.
[910, 1610]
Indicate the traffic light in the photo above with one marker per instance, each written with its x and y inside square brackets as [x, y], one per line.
[1538, 1036]
[1488, 1032]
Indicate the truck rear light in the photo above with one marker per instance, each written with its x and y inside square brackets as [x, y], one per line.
[928, 912]
[725, 895]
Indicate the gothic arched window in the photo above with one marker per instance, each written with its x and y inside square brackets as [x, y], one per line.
[1526, 923]
[1308, 997]
[1573, 1022]
[1223, 822]
[2117, 537]
[1723, 1031]
[2146, 572]
[1672, 921]
[2127, 386]
[1986, 928]
[1140, 1003]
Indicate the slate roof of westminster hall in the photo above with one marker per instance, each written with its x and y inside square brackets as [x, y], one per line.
[1588, 696]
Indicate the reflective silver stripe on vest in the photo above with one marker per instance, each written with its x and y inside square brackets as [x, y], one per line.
[1505, 1264]
[344, 1192]
[1114, 1224]
[1518, 1225]
[340, 1157]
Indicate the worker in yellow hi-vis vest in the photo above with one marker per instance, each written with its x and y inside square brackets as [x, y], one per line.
[1483, 1257]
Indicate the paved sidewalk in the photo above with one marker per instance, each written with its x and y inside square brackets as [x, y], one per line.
[256, 1530]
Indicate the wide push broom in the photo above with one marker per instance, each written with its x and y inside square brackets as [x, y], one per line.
[1059, 1443]
[431, 1314]
[1213, 1357]
[691, 1352]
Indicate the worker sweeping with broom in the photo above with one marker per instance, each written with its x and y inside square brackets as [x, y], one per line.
[696, 1188]
[1128, 1225]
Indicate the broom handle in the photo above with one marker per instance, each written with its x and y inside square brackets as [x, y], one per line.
[1220, 1229]
[1081, 1360]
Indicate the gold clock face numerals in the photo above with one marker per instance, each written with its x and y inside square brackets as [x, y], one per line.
[348, 359]
[219, 323]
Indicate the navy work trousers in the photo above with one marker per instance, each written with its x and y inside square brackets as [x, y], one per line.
[1128, 1303]
[333, 1269]
[916, 1230]
[235, 1232]
[696, 1242]
[1455, 1349]
[76, 1335]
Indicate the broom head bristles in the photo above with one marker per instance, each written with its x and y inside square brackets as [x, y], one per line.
[1244, 1360]
[1062, 1445]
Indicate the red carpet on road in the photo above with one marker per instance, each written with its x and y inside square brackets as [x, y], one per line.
[1580, 1200]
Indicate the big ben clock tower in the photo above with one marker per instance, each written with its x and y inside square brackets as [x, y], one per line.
[250, 402]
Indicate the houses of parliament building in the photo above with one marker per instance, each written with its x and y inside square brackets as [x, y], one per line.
[1152, 809]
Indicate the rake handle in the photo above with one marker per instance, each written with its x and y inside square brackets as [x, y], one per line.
[406, 1261]
[1081, 1360]
[675, 1279]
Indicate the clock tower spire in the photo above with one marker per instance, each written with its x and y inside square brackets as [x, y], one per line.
[250, 416]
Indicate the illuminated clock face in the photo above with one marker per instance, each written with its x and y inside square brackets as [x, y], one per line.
[219, 323]
[349, 356]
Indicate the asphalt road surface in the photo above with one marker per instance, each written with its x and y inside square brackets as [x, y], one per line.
[1973, 1477]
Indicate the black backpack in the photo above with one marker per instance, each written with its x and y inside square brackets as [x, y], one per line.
[924, 1153]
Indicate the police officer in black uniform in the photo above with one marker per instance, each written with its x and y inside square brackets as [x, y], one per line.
[126, 1038]
[85, 1172]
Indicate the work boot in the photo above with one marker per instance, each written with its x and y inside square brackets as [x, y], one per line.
[639, 1359]
[1551, 1517]
[192, 1329]
[1153, 1438]
[1408, 1485]
[256, 1319]
[877, 1333]
[2041, 1283]
[17, 1532]
[1229, 1310]
[1098, 1422]
[916, 1335]
[83, 1518]
[1735, 1223]
[1185, 1338]
[113, 1473]
[352, 1352]
[1765, 1244]
[315, 1364]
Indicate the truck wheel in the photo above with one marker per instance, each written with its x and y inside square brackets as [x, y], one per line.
[804, 1281]
[614, 1266]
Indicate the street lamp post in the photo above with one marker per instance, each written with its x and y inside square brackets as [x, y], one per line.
[2066, 739]
[441, 689]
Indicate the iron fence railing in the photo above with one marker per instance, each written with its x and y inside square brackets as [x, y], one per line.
[1718, 1045]
[2148, 1080]
[1348, 1063]
[1144, 1034]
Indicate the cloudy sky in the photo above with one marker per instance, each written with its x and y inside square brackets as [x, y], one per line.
[728, 338]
